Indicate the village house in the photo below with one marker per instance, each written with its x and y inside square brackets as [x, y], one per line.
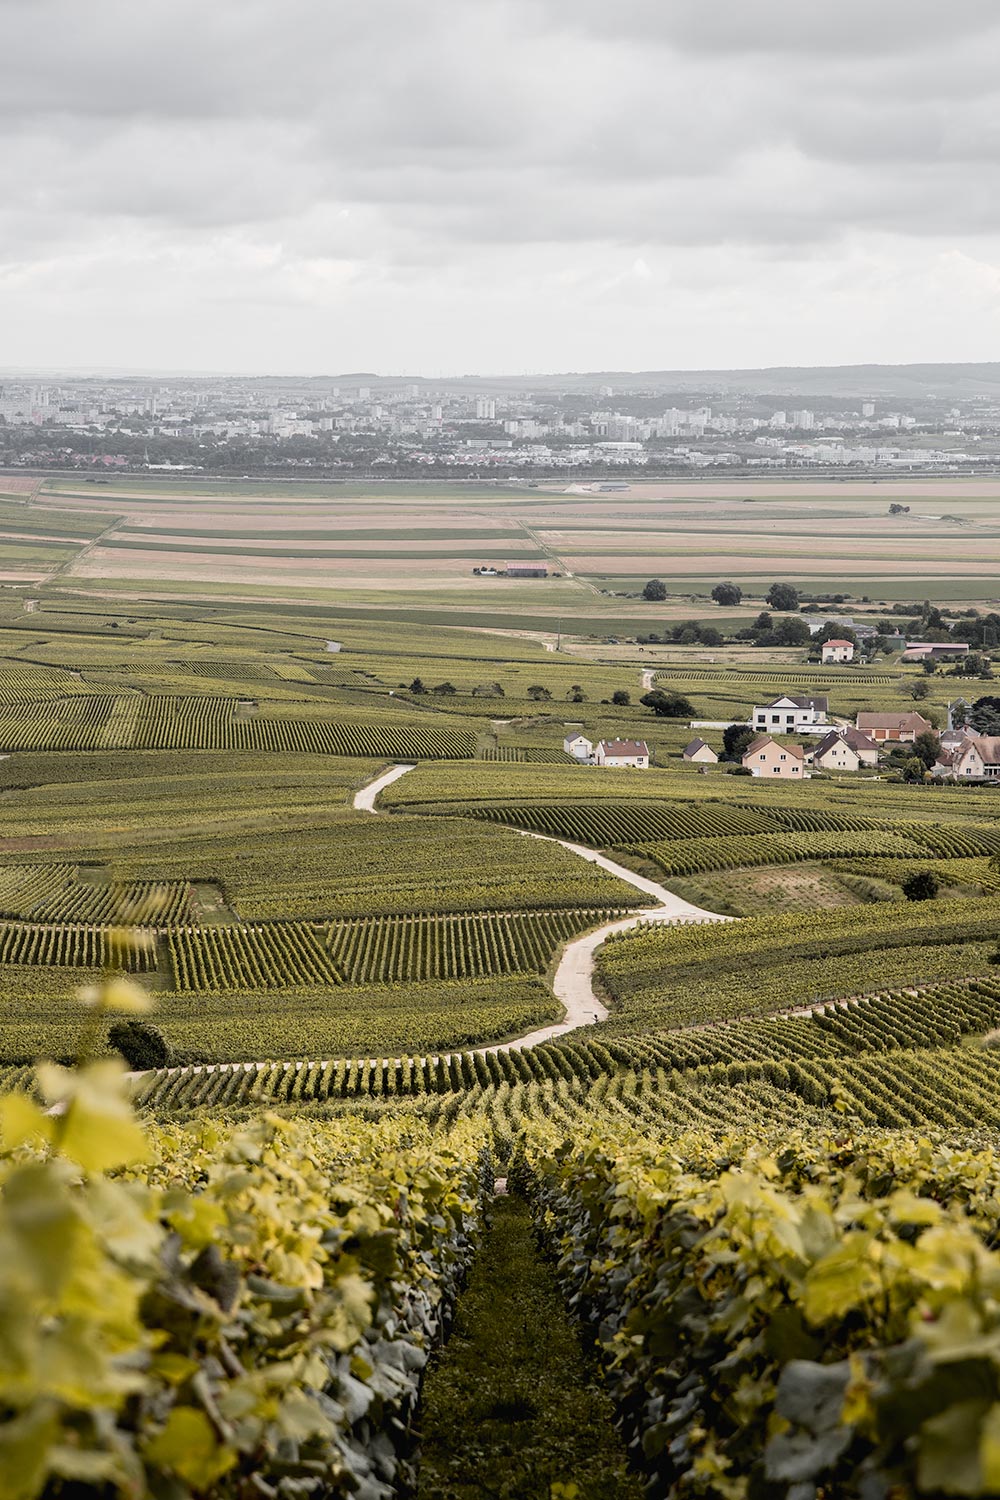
[864, 748]
[700, 752]
[766, 757]
[833, 753]
[622, 753]
[578, 746]
[975, 758]
[838, 651]
[897, 729]
[791, 715]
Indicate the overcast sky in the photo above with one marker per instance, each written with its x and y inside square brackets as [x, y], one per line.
[449, 186]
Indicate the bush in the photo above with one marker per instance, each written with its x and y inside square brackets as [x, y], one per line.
[621, 698]
[142, 1045]
[655, 590]
[922, 885]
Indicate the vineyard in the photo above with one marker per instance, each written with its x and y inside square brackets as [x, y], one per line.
[378, 950]
[422, 947]
[133, 722]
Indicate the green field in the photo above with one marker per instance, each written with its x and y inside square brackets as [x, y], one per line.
[772, 1169]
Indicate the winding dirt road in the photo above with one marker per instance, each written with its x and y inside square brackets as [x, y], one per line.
[364, 801]
[573, 982]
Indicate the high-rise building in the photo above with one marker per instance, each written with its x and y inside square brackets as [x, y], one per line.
[868, 408]
[486, 409]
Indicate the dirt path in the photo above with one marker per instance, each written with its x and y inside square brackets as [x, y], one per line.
[364, 801]
[648, 678]
[573, 982]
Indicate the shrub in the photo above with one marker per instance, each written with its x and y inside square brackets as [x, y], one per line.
[143, 1046]
[922, 885]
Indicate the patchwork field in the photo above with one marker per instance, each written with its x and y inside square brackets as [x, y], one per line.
[788, 1121]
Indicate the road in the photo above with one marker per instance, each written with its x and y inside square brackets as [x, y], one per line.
[364, 801]
[573, 982]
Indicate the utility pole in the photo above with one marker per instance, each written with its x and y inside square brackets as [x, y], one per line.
[559, 636]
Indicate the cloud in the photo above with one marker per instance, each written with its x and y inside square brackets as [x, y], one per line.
[164, 162]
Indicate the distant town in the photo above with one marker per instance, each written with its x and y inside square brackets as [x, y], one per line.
[408, 429]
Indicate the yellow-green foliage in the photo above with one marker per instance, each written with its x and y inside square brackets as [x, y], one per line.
[233, 1311]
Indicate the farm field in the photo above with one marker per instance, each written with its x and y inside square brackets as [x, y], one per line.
[320, 832]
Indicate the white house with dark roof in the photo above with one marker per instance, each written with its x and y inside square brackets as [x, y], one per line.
[791, 714]
[578, 746]
[833, 753]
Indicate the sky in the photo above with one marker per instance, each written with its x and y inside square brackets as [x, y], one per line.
[497, 186]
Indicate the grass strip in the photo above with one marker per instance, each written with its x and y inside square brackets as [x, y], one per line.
[512, 1407]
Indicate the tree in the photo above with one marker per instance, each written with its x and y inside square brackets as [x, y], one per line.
[445, 688]
[927, 748]
[667, 704]
[417, 686]
[539, 694]
[709, 636]
[913, 769]
[655, 590]
[792, 633]
[764, 621]
[142, 1045]
[621, 698]
[831, 631]
[576, 694]
[918, 688]
[985, 715]
[727, 594]
[922, 885]
[782, 596]
[735, 739]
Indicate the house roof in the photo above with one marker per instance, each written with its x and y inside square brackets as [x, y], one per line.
[624, 747]
[829, 741]
[848, 644]
[858, 740]
[820, 704]
[987, 746]
[911, 720]
[695, 745]
[757, 745]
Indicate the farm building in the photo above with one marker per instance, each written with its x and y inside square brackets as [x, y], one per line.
[700, 752]
[578, 746]
[934, 650]
[526, 570]
[765, 757]
[897, 729]
[791, 715]
[838, 651]
[617, 753]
